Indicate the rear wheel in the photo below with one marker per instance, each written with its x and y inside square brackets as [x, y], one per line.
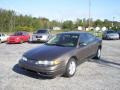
[21, 41]
[70, 68]
[98, 54]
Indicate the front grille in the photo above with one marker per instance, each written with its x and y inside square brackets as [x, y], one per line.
[38, 36]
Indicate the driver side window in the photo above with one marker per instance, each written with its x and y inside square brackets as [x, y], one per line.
[83, 38]
[86, 38]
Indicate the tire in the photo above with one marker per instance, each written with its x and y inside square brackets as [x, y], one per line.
[70, 68]
[98, 54]
[21, 41]
[0, 41]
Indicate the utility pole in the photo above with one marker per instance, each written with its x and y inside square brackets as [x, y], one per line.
[113, 22]
[89, 14]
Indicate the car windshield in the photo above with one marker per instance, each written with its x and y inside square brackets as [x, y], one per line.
[118, 31]
[65, 40]
[18, 34]
[110, 31]
[41, 31]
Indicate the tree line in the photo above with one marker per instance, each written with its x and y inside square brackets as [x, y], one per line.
[11, 22]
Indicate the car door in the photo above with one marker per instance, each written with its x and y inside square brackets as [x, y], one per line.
[83, 49]
[3, 37]
[0, 37]
[25, 37]
[93, 44]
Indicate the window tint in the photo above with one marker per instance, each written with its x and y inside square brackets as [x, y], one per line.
[83, 38]
[18, 33]
[42, 31]
[86, 38]
[68, 40]
[90, 37]
[25, 33]
[110, 31]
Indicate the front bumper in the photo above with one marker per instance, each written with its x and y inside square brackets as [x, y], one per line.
[13, 41]
[42, 39]
[113, 37]
[49, 71]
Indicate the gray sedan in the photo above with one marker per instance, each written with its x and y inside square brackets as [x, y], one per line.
[62, 54]
[110, 34]
[41, 35]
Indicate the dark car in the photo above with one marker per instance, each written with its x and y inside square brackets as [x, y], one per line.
[110, 34]
[18, 37]
[41, 36]
[62, 54]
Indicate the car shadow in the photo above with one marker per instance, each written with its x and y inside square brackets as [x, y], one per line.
[106, 63]
[31, 74]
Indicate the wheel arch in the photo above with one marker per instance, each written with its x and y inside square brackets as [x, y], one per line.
[76, 59]
[100, 47]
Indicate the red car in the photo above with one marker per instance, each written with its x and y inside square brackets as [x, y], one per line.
[18, 37]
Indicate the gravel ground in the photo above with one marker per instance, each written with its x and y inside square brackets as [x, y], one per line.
[92, 75]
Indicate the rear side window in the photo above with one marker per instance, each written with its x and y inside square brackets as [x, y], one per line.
[90, 37]
[83, 38]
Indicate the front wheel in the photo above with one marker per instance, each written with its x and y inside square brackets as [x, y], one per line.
[70, 68]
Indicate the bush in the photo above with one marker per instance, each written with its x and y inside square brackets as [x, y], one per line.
[25, 28]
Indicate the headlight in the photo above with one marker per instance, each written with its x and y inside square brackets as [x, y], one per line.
[24, 58]
[46, 62]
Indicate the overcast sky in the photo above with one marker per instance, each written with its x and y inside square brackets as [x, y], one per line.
[65, 9]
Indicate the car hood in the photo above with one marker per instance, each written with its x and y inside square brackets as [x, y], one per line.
[45, 52]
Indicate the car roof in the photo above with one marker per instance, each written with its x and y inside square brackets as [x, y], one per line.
[21, 31]
[74, 32]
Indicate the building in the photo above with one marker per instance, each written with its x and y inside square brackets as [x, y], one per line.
[56, 28]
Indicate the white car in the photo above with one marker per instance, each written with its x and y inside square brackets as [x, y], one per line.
[3, 37]
[40, 36]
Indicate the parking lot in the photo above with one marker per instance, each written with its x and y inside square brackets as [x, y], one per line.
[103, 74]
